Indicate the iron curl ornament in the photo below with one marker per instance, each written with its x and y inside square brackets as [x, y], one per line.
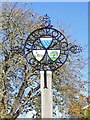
[47, 48]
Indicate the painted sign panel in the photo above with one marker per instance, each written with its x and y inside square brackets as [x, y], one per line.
[53, 54]
[46, 42]
[38, 54]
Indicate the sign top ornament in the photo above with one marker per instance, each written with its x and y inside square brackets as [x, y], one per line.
[47, 48]
[46, 21]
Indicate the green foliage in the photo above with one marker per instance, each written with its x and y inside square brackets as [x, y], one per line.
[87, 113]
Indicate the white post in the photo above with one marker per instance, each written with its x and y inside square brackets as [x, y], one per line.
[46, 95]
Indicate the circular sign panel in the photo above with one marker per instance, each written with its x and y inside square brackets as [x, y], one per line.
[46, 49]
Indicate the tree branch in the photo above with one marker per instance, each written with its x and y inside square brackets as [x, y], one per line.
[19, 97]
[15, 115]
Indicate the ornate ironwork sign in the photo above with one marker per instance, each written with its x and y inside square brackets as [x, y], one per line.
[47, 48]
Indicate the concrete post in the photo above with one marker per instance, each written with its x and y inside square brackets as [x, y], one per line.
[46, 95]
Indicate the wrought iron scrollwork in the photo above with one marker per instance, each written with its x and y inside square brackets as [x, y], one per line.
[46, 20]
[47, 48]
[55, 44]
[75, 49]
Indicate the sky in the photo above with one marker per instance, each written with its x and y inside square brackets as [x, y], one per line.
[73, 15]
[44, 0]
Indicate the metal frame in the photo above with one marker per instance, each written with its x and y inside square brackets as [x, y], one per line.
[59, 42]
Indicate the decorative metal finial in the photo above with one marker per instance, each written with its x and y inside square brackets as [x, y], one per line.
[46, 20]
[47, 48]
[75, 49]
